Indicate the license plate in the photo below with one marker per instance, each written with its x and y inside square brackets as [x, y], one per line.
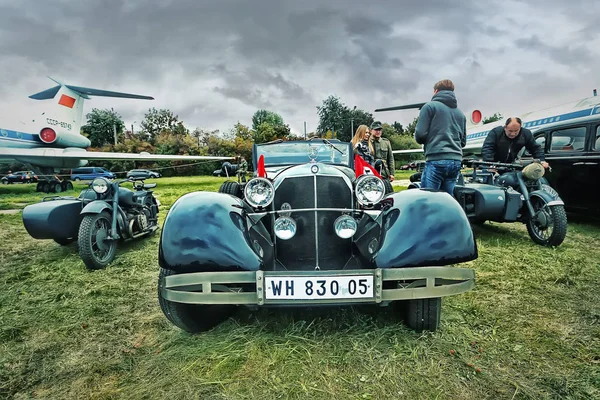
[321, 287]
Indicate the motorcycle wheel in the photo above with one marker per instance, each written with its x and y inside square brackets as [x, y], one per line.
[192, 318]
[548, 227]
[94, 250]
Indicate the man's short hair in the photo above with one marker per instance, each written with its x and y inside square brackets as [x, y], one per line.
[444, 84]
[509, 120]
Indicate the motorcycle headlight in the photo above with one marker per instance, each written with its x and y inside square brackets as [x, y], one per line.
[100, 185]
[369, 190]
[259, 192]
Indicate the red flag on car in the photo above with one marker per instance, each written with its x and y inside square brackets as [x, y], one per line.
[260, 170]
[362, 167]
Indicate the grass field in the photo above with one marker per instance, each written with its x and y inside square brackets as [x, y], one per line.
[529, 330]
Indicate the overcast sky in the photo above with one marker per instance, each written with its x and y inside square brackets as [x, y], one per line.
[214, 63]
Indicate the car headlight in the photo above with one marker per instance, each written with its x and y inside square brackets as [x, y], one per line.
[369, 190]
[285, 228]
[100, 185]
[259, 192]
[345, 226]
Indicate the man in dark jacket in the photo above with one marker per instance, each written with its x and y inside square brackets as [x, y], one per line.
[503, 143]
[442, 129]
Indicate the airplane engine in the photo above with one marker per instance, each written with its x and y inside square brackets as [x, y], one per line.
[63, 139]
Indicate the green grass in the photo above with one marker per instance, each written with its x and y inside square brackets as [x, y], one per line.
[529, 330]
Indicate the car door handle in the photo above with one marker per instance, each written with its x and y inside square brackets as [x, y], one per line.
[579, 163]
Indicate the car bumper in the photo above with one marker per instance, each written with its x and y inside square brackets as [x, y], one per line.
[399, 283]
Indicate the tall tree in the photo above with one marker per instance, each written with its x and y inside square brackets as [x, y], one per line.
[341, 121]
[266, 116]
[331, 115]
[155, 121]
[100, 127]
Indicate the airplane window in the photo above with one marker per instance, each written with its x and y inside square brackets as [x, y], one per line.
[597, 143]
[571, 139]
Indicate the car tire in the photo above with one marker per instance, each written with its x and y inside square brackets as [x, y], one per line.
[388, 186]
[232, 188]
[423, 314]
[192, 318]
[5, 181]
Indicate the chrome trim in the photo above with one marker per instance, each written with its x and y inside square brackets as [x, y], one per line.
[555, 203]
[293, 210]
[316, 223]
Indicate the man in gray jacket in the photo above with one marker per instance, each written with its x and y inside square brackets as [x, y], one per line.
[442, 129]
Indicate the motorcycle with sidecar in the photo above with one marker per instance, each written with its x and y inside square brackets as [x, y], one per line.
[503, 192]
[103, 214]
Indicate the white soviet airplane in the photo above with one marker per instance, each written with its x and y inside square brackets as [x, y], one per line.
[53, 140]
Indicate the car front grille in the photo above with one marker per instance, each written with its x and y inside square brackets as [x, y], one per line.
[315, 243]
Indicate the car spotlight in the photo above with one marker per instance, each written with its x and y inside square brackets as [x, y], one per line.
[369, 190]
[345, 226]
[259, 192]
[285, 228]
[100, 185]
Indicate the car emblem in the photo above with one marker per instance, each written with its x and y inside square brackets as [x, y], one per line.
[312, 153]
[314, 168]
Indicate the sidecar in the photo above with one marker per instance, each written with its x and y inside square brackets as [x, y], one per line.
[511, 196]
[56, 217]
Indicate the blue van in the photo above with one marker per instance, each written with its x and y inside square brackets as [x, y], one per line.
[89, 173]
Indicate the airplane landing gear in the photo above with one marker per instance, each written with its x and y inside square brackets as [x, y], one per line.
[53, 186]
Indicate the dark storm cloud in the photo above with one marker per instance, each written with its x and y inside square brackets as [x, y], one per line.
[216, 62]
[566, 55]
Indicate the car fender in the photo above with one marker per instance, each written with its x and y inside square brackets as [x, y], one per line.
[207, 231]
[424, 228]
[549, 197]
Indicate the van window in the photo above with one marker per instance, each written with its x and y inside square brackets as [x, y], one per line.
[597, 141]
[567, 140]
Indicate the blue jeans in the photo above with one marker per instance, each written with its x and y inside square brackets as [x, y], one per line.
[441, 174]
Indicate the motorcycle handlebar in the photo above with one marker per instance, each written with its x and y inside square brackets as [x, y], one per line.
[493, 164]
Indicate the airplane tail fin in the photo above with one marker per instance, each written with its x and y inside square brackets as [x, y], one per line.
[68, 111]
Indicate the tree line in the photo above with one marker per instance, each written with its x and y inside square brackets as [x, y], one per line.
[162, 132]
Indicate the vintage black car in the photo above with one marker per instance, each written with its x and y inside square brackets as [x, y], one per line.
[310, 228]
[573, 152]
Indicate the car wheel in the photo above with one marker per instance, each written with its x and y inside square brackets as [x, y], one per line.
[232, 188]
[388, 186]
[95, 251]
[548, 227]
[192, 318]
[5, 181]
[423, 314]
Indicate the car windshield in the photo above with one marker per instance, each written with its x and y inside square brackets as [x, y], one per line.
[286, 153]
